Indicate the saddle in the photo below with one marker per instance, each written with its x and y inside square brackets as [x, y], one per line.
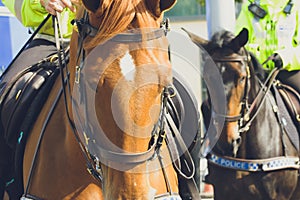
[22, 98]
[291, 99]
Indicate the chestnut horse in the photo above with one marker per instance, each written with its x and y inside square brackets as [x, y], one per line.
[256, 156]
[109, 115]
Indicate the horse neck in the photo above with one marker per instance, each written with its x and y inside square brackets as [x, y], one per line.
[265, 125]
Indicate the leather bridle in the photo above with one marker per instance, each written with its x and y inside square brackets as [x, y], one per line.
[159, 133]
[248, 111]
[243, 115]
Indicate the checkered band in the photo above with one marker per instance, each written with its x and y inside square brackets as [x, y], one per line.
[280, 163]
[234, 163]
[256, 165]
[253, 167]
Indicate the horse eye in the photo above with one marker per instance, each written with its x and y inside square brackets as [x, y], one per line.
[242, 79]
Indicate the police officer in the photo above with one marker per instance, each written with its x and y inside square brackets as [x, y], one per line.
[274, 27]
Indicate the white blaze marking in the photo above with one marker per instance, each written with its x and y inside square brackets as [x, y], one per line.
[127, 66]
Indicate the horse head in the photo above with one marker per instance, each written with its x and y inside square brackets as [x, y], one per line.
[250, 120]
[227, 53]
[123, 73]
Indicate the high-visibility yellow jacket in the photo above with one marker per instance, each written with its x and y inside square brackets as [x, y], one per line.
[31, 13]
[277, 32]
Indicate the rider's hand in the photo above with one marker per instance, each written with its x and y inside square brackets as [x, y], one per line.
[53, 6]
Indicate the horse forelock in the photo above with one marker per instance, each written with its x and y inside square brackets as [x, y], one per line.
[220, 40]
[116, 16]
[111, 18]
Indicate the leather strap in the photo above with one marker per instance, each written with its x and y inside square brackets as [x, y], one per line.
[189, 167]
[138, 37]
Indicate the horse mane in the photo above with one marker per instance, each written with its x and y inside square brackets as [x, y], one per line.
[258, 69]
[112, 17]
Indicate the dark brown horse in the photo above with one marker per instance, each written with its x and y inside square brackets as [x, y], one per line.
[106, 117]
[256, 156]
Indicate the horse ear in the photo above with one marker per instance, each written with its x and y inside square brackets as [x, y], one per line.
[239, 41]
[199, 41]
[91, 5]
[159, 6]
